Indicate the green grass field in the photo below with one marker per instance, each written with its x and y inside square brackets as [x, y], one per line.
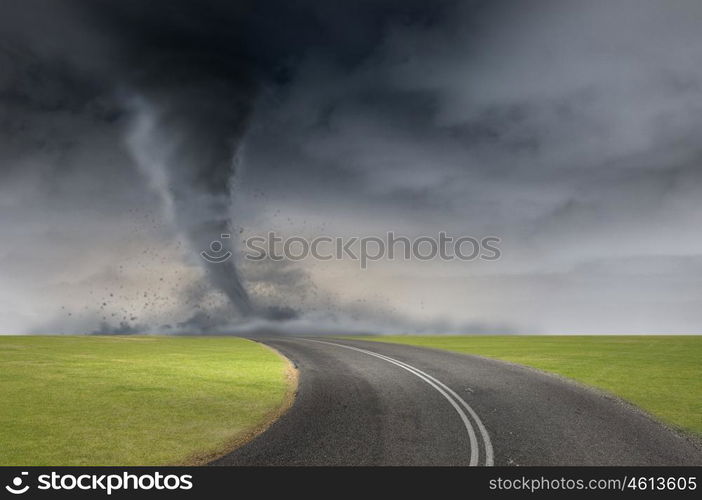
[661, 374]
[134, 400]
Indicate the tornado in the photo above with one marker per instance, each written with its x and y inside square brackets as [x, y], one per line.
[188, 129]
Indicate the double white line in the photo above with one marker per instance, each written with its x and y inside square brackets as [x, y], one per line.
[456, 401]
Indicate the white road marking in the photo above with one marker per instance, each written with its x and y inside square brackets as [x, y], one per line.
[443, 389]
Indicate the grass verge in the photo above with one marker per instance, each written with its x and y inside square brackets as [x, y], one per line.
[135, 400]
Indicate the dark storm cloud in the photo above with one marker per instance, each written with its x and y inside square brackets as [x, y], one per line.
[194, 67]
[521, 108]
[569, 129]
[187, 73]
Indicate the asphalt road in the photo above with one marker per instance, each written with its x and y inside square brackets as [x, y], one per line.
[369, 403]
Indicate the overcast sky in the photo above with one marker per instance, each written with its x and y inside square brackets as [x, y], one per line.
[133, 133]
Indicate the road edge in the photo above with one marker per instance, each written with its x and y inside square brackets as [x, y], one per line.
[292, 378]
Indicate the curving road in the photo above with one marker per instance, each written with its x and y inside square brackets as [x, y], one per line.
[369, 403]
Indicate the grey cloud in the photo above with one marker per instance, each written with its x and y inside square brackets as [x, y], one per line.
[567, 128]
